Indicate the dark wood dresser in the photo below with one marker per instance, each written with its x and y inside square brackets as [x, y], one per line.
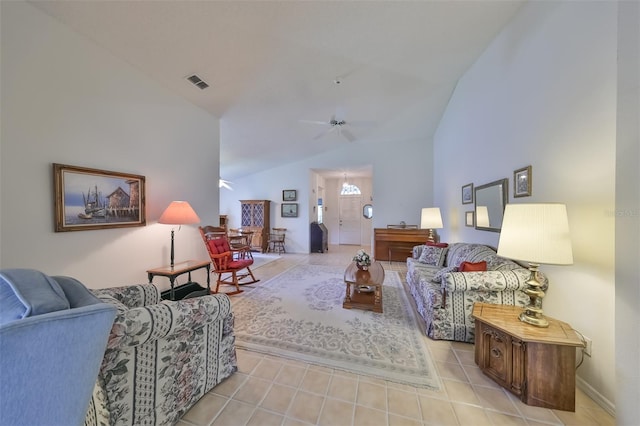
[395, 244]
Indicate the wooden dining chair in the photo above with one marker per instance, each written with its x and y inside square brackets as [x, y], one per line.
[276, 240]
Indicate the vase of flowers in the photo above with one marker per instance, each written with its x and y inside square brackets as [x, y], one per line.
[362, 259]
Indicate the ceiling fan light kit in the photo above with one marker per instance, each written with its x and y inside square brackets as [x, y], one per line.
[336, 122]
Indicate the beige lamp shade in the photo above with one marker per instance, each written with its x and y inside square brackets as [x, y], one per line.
[179, 213]
[482, 216]
[431, 218]
[536, 233]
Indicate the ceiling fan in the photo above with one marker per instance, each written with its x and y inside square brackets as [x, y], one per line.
[337, 123]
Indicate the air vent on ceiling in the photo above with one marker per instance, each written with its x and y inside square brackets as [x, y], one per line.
[197, 81]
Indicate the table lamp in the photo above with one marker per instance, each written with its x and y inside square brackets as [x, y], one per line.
[431, 219]
[178, 213]
[535, 233]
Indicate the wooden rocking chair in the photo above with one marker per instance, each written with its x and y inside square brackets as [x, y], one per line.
[228, 262]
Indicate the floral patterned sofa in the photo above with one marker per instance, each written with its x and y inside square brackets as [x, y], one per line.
[161, 357]
[444, 295]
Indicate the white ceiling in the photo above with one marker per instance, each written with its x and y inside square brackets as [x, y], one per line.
[270, 64]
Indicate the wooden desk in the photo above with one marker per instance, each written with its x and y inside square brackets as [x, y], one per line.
[536, 364]
[371, 298]
[396, 244]
[179, 269]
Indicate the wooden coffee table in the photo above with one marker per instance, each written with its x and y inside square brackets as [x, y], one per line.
[364, 288]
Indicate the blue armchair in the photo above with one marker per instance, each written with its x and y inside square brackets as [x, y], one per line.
[53, 335]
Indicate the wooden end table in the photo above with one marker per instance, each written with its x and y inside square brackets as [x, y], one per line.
[181, 268]
[364, 288]
[536, 364]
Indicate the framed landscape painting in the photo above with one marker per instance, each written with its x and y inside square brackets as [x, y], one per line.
[88, 199]
[289, 195]
[289, 210]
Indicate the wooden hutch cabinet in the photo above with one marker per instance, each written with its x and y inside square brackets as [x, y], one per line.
[536, 364]
[254, 217]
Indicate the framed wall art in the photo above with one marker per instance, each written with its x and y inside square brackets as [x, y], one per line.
[467, 194]
[289, 210]
[289, 195]
[468, 218]
[87, 199]
[522, 182]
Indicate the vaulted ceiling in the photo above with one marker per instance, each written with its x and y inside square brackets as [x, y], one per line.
[387, 68]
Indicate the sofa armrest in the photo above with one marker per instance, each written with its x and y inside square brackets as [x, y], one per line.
[131, 296]
[139, 325]
[416, 252]
[515, 279]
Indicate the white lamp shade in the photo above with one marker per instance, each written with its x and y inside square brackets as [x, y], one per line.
[179, 213]
[431, 218]
[536, 233]
[482, 216]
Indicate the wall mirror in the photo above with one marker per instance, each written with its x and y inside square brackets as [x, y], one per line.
[367, 211]
[490, 200]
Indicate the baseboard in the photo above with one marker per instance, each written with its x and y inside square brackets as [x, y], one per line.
[603, 402]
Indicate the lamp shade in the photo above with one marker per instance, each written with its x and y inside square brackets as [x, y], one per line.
[482, 216]
[179, 213]
[536, 233]
[431, 218]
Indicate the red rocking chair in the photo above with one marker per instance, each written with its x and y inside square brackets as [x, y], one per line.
[228, 262]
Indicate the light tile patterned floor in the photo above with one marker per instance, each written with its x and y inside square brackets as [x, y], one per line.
[268, 390]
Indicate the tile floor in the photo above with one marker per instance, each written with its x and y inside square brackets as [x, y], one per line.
[268, 390]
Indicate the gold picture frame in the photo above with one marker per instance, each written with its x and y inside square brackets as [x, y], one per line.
[522, 182]
[88, 199]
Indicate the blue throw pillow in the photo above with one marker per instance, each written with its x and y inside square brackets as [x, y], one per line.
[27, 292]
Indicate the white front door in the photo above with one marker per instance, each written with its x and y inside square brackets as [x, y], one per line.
[350, 220]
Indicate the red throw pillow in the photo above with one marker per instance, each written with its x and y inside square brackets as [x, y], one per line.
[473, 267]
[441, 245]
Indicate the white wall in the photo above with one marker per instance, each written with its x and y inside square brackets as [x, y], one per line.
[66, 100]
[544, 94]
[628, 216]
[401, 186]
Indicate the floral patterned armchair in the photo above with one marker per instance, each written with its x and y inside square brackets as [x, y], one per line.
[161, 357]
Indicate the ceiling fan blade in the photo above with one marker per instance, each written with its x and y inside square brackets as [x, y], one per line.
[361, 123]
[324, 123]
[347, 135]
[326, 132]
[341, 113]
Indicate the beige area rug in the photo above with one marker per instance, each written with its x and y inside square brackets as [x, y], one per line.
[299, 315]
[261, 259]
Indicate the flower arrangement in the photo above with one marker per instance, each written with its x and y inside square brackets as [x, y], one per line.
[362, 258]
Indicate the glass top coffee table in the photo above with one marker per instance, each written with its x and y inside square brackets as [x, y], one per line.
[364, 288]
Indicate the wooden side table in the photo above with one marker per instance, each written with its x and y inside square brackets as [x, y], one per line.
[355, 297]
[535, 364]
[179, 269]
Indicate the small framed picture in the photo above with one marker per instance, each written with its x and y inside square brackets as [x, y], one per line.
[522, 182]
[467, 194]
[289, 210]
[468, 218]
[289, 195]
